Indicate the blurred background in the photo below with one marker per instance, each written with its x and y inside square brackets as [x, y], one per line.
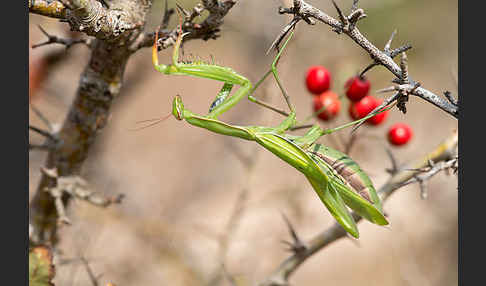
[192, 204]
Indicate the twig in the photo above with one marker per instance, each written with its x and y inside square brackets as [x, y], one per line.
[167, 15]
[52, 140]
[424, 174]
[51, 39]
[92, 277]
[44, 133]
[275, 44]
[282, 273]
[350, 143]
[43, 118]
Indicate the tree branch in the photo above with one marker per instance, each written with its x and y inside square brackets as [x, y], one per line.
[302, 10]
[443, 153]
[52, 39]
[206, 30]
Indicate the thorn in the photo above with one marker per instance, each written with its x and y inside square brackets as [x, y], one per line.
[399, 50]
[54, 39]
[449, 97]
[355, 16]
[283, 33]
[104, 3]
[387, 89]
[388, 44]
[344, 20]
[393, 160]
[355, 6]
[183, 11]
[167, 14]
[297, 246]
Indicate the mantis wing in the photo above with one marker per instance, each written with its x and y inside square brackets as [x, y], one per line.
[335, 204]
[354, 186]
[361, 206]
[304, 162]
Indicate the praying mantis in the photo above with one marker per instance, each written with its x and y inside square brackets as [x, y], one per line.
[336, 178]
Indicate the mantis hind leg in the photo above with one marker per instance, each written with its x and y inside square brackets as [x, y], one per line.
[274, 71]
[222, 102]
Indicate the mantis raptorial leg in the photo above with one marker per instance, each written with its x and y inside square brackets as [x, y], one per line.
[219, 73]
[336, 178]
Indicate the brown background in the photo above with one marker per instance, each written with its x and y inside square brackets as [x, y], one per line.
[182, 183]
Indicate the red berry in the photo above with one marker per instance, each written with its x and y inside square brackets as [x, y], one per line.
[379, 118]
[360, 109]
[331, 101]
[318, 79]
[399, 134]
[357, 87]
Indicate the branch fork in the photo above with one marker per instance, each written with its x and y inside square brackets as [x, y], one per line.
[77, 187]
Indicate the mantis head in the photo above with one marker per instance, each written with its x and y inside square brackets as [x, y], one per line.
[178, 108]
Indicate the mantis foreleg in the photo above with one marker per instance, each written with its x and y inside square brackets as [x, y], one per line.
[228, 76]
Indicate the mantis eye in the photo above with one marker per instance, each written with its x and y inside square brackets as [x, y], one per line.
[177, 107]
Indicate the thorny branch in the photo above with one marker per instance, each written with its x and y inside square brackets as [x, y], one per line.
[208, 29]
[52, 39]
[444, 156]
[117, 29]
[347, 25]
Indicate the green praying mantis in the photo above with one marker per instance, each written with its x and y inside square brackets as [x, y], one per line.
[336, 178]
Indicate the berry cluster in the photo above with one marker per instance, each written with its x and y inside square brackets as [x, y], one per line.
[327, 103]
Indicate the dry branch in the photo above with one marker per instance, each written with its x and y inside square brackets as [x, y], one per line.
[52, 39]
[206, 30]
[347, 25]
[443, 156]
